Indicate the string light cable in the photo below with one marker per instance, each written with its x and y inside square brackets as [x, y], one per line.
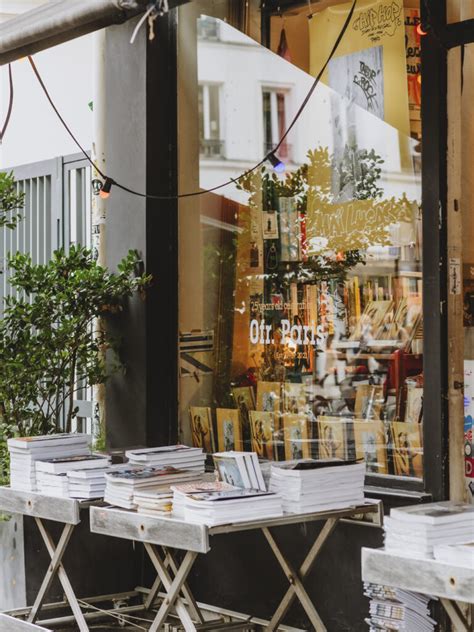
[103, 188]
[10, 103]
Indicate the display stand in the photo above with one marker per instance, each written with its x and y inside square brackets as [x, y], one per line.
[162, 535]
[452, 584]
[63, 510]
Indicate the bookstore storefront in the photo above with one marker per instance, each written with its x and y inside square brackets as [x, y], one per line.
[301, 283]
[301, 294]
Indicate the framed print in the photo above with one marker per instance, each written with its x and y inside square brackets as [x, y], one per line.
[370, 445]
[244, 398]
[414, 405]
[372, 319]
[332, 438]
[294, 398]
[201, 426]
[262, 426]
[270, 225]
[407, 449]
[229, 434]
[369, 401]
[297, 444]
[268, 396]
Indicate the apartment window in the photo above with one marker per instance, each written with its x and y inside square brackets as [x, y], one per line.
[210, 143]
[274, 120]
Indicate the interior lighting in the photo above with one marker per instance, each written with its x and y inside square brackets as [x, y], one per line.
[420, 30]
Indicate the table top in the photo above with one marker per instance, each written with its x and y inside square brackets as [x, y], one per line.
[65, 510]
[427, 576]
[178, 533]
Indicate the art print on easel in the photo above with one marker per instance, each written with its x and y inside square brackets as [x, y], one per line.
[201, 426]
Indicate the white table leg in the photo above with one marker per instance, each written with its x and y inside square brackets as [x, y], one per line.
[173, 589]
[457, 618]
[187, 594]
[56, 567]
[296, 588]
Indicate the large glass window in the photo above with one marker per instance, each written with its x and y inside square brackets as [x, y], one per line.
[301, 290]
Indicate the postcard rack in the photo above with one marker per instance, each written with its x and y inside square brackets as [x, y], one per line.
[451, 584]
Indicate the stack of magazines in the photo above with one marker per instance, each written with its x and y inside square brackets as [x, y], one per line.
[396, 609]
[181, 491]
[230, 506]
[52, 475]
[153, 503]
[415, 531]
[179, 456]
[123, 484]
[310, 486]
[87, 484]
[25, 451]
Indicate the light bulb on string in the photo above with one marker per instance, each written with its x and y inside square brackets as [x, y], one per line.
[104, 192]
[276, 163]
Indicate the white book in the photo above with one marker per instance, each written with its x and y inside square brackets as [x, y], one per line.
[39, 442]
[461, 554]
[440, 513]
[64, 465]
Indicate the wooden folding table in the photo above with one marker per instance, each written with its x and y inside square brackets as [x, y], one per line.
[162, 536]
[451, 584]
[63, 510]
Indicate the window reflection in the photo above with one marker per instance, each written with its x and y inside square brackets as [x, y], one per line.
[311, 280]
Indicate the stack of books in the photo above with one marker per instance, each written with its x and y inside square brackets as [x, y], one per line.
[123, 484]
[179, 456]
[153, 503]
[396, 609]
[25, 451]
[309, 486]
[53, 476]
[240, 469]
[415, 531]
[231, 506]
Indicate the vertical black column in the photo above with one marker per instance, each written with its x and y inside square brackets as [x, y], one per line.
[434, 198]
[162, 232]
[141, 153]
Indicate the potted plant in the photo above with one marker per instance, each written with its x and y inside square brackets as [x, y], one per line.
[50, 341]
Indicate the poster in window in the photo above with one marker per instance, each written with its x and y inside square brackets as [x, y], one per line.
[332, 438]
[370, 445]
[375, 24]
[201, 427]
[296, 433]
[369, 401]
[262, 431]
[229, 434]
[268, 396]
[359, 77]
[407, 449]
